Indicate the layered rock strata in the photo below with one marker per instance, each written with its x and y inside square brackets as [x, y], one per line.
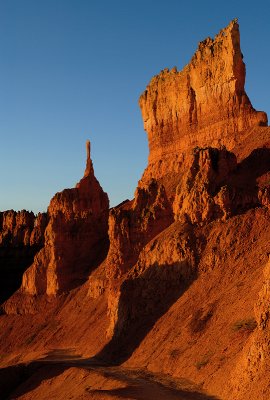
[75, 238]
[204, 104]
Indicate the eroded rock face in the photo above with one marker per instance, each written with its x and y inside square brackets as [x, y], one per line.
[214, 187]
[135, 223]
[203, 195]
[22, 228]
[203, 105]
[21, 237]
[75, 238]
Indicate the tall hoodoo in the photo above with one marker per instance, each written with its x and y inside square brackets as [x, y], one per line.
[203, 105]
[75, 238]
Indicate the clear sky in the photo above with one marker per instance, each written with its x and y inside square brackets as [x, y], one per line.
[74, 69]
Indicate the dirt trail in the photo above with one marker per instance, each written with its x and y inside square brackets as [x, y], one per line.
[63, 374]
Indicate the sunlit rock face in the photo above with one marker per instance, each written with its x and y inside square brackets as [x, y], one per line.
[194, 119]
[205, 104]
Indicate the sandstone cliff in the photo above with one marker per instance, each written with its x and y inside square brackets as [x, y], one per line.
[204, 104]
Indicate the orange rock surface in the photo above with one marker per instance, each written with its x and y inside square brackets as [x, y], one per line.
[205, 104]
[133, 224]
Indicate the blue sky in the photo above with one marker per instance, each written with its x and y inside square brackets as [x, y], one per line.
[74, 69]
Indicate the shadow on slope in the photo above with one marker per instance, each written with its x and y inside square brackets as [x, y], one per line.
[143, 300]
[163, 393]
[253, 167]
[11, 378]
[86, 264]
[139, 385]
[14, 261]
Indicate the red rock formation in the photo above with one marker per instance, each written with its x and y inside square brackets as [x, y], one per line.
[214, 186]
[75, 238]
[203, 195]
[203, 105]
[22, 228]
[135, 223]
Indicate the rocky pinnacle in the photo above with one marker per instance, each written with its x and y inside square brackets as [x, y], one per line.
[89, 165]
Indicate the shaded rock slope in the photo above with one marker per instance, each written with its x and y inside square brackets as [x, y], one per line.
[21, 237]
[173, 282]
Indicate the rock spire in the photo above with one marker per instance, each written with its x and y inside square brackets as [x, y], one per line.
[89, 165]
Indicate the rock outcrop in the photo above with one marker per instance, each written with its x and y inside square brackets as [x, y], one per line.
[133, 224]
[22, 228]
[75, 238]
[215, 186]
[203, 195]
[187, 179]
[203, 105]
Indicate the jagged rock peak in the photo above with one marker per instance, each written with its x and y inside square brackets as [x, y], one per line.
[205, 104]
